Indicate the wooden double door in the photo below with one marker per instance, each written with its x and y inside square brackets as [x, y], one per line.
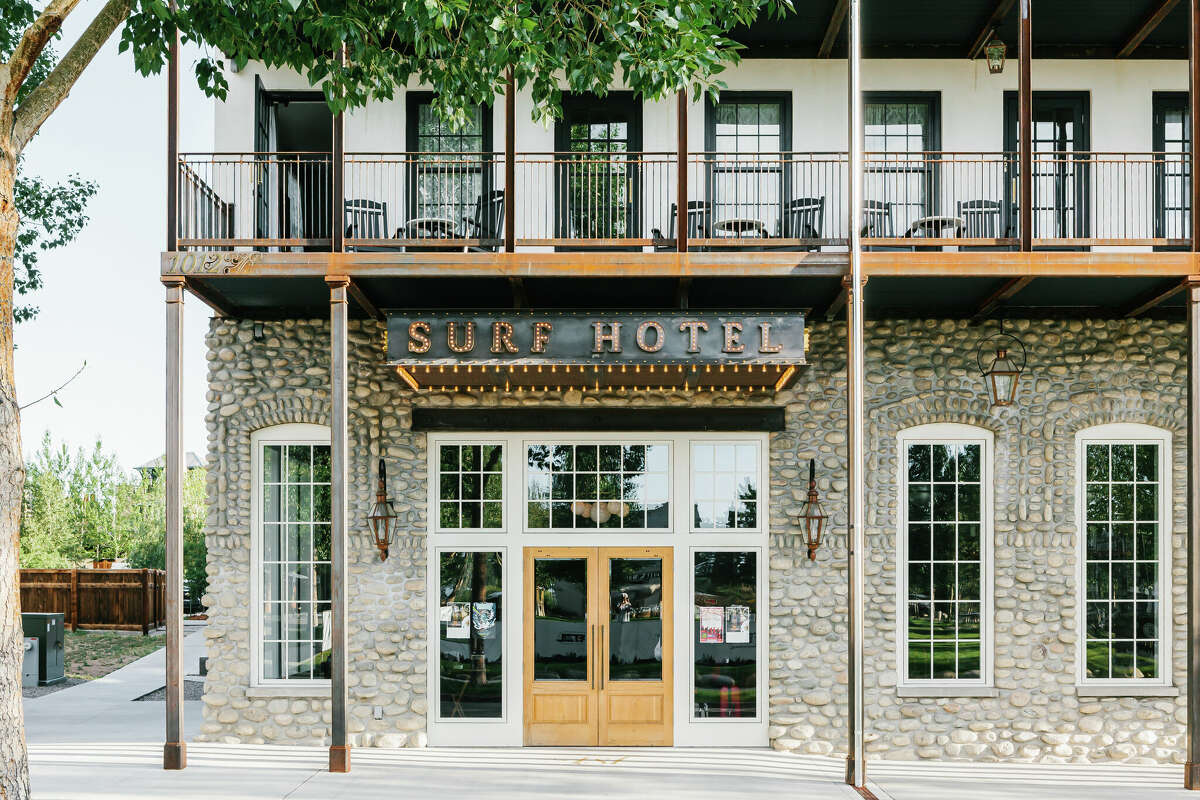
[598, 649]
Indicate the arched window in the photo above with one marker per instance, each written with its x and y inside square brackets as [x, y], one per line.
[1123, 508]
[290, 507]
[944, 559]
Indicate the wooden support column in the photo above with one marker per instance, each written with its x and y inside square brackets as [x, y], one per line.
[1025, 124]
[175, 749]
[856, 761]
[1191, 772]
[681, 179]
[339, 750]
[173, 141]
[1194, 119]
[338, 175]
[510, 163]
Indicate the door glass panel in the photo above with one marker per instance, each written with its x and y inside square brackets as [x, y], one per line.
[725, 634]
[635, 619]
[560, 622]
[471, 645]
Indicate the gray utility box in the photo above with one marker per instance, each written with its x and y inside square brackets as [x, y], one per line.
[29, 663]
[48, 630]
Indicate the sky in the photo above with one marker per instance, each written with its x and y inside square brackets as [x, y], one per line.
[102, 302]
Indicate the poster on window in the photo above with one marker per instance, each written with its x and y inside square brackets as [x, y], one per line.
[712, 624]
[737, 624]
[483, 618]
[458, 620]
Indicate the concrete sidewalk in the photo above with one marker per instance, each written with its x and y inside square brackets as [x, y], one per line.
[101, 710]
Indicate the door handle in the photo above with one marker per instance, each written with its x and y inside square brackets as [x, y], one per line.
[601, 658]
[592, 682]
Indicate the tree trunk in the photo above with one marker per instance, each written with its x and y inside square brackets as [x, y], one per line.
[14, 760]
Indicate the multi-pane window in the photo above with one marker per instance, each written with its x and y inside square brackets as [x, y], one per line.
[1122, 523]
[598, 177]
[470, 635]
[725, 485]
[448, 173]
[295, 561]
[944, 527]
[470, 486]
[1172, 167]
[899, 132]
[579, 486]
[748, 139]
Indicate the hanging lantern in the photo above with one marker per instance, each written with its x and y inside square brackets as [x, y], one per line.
[1004, 371]
[813, 516]
[382, 519]
[994, 51]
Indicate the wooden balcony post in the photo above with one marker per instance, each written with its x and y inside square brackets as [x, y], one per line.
[1194, 119]
[339, 750]
[510, 163]
[856, 760]
[1025, 125]
[681, 179]
[338, 174]
[173, 141]
[175, 749]
[1191, 772]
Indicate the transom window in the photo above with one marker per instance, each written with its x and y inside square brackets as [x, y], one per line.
[725, 485]
[1122, 564]
[295, 549]
[601, 485]
[944, 551]
[470, 486]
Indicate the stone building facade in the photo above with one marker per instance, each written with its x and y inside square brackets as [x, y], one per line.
[919, 372]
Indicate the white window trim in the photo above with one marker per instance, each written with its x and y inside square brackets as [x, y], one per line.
[1125, 433]
[761, 487]
[435, 480]
[598, 439]
[513, 540]
[940, 433]
[290, 433]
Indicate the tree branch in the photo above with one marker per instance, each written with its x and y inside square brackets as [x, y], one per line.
[42, 101]
[62, 386]
[33, 42]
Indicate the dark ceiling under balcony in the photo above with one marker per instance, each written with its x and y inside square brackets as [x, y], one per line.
[951, 28]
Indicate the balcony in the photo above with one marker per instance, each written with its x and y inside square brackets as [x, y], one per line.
[625, 201]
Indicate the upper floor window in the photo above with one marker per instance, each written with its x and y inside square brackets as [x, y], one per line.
[1123, 515]
[1172, 167]
[900, 129]
[945, 554]
[748, 138]
[450, 170]
[291, 525]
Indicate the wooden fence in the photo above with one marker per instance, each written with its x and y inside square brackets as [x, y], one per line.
[98, 599]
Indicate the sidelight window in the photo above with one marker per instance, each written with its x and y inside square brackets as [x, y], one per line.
[470, 635]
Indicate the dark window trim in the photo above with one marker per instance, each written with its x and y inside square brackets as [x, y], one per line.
[412, 101]
[621, 101]
[932, 99]
[1162, 102]
[784, 98]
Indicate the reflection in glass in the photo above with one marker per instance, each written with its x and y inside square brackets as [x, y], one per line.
[1121, 560]
[470, 624]
[635, 619]
[560, 621]
[725, 485]
[598, 486]
[725, 634]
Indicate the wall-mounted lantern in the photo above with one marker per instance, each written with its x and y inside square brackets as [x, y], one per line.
[994, 51]
[382, 519]
[1004, 372]
[813, 516]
